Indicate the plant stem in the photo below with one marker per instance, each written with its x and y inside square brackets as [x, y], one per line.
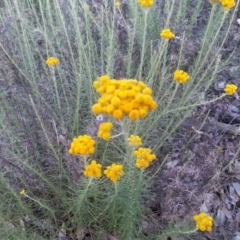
[143, 43]
[195, 105]
[56, 92]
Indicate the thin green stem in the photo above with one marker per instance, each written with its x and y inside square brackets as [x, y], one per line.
[194, 105]
[40, 204]
[43, 128]
[110, 62]
[173, 96]
[178, 232]
[114, 205]
[117, 135]
[52, 70]
[143, 43]
[84, 192]
[201, 61]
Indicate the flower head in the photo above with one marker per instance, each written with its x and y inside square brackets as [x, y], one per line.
[230, 89]
[125, 97]
[134, 141]
[52, 61]
[142, 163]
[227, 4]
[104, 131]
[83, 145]
[180, 76]
[204, 222]
[117, 4]
[114, 172]
[144, 157]
[93, 170]
[146, 3]
[166, 33]
[22, 192]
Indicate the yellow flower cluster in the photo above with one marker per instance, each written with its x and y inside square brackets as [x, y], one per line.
[227, 4]
[180, 76]
[117, 4]
[104, 131]
[52, 61]
[146, 3]
[134, 141]
[123, 97]
[144, 157]
[204, 222]
[93, 170]
[166, 33]
[83, 145]
[114, 172]
[230, 89]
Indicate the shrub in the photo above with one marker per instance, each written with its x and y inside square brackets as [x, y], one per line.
[63, 62]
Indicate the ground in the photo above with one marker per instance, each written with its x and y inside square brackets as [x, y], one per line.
[203, 170]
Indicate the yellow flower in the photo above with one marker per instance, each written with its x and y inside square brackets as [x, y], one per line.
[142, 112]
[227, 4]
[97, 108]
[152, 105]
[147, 91]
[117, 4]
[127, 108]
[114, 172]
[106, 126]
[110, 108]
[180, 76]
[146, 3]
[118, 114]
[134, 114]
[230, 89]
[204, 222]
[83, 145]
[52, 61]
[93, 170]
[140, 163]
[144, 157]
[147, 100]
[116, 102]
[125, 97]
[166, 33]
[134, 141]
[145, 153]
[104, 79]
[22, 192]
[105, 130]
